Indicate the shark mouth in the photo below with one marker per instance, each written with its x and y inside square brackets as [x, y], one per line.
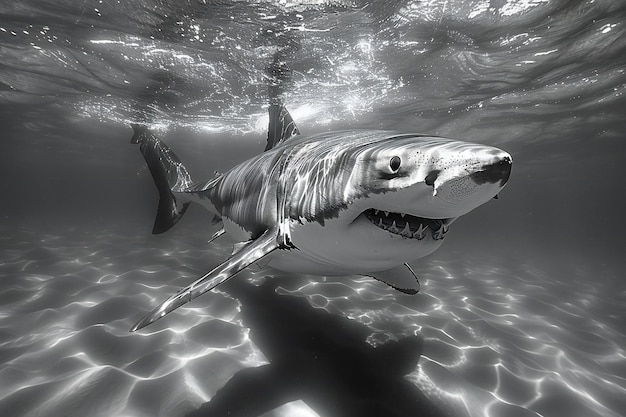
[405, 225]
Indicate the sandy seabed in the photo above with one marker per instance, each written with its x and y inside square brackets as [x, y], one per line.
[486, 336]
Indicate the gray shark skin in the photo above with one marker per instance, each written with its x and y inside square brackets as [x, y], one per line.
[340, 203]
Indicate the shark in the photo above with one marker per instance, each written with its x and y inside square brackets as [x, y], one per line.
[351, 202]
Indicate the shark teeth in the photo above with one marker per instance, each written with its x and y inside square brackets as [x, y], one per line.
[408, 226]
[420, 233]
[441, 232]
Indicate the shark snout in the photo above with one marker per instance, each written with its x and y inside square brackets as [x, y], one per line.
[464, 191]
[496, 172]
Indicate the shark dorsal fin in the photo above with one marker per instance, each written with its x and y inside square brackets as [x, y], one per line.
[281, 126]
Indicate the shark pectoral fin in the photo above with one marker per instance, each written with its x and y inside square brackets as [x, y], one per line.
[401, 278]
[216, 235]
[248, 254]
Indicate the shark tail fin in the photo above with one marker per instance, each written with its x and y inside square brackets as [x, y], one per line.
[169, 174]
[138, 132]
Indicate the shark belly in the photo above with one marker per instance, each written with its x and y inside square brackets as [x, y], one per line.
[332, 250]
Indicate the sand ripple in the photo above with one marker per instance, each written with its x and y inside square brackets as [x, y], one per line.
[499, 338]
[66, 307]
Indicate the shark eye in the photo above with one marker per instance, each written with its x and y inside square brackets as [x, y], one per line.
[394, 163]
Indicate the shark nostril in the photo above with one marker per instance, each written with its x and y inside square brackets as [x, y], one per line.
[492, 173]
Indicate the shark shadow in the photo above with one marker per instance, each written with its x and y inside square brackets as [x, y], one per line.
[321, 359]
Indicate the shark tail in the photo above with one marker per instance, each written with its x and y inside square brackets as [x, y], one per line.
[169, 174]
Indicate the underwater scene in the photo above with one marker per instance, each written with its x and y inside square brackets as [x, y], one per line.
[521, 311]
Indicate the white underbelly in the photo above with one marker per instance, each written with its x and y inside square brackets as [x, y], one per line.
[343, 249]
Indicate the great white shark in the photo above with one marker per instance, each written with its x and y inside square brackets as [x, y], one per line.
[339, 203]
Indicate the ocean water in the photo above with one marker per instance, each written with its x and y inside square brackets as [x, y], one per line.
[522, 311]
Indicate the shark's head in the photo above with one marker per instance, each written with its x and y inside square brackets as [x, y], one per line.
[402, 192]
[415, 187]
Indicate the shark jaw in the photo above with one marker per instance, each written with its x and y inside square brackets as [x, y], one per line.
[408, 226]
[384, 214]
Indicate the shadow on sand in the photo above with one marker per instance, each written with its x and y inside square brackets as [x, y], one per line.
[321, 359]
